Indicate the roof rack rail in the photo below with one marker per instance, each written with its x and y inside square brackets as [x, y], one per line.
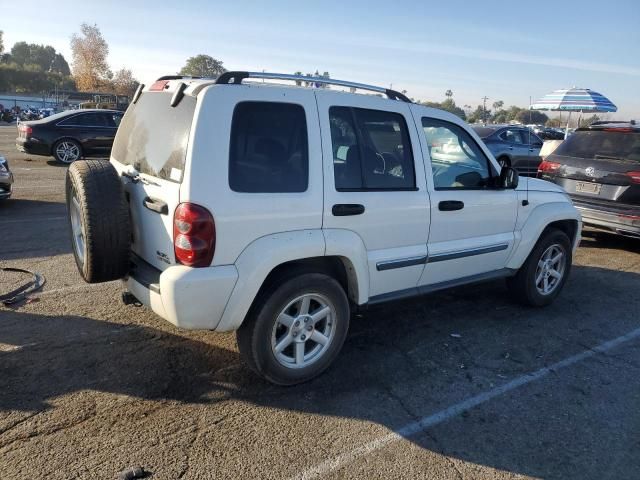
[237, 77]
[175, 77]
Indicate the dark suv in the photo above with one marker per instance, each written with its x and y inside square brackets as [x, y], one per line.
[599, 167]
[512, 145]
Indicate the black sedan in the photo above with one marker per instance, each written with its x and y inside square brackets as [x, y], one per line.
[70, 135]
[6, 179]
[599, 167]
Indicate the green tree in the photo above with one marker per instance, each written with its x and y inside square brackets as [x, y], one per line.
[448, 94]
[202, 66]
[90, 67]
[479, 115]
[450, 106]
[527, 116]
[1, 42]
[497, 105]
[586, 121]
[124, 83]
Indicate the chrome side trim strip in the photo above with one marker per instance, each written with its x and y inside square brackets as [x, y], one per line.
[401, 263]
[467, 253]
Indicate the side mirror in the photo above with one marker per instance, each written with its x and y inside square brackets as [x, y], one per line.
[508, 178]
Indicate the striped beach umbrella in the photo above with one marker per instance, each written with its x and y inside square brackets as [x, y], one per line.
[575, 100]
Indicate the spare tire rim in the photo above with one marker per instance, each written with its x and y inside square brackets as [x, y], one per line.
[77, 229]
[550, 269]
[303, 331]
[67, 152]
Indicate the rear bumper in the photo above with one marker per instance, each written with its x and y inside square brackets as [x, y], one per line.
[190, 298]
[621, 222]
[32, 147]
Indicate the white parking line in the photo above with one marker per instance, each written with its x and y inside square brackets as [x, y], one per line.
[425, 423]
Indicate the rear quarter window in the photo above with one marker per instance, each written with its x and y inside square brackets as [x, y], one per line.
[269, 150]
[153, 136]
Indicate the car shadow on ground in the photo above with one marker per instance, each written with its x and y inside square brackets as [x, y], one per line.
[401, 362]
[52, 162]
[32, 228]
[609, 241]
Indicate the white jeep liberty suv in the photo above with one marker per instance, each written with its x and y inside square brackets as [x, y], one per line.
[276, 209]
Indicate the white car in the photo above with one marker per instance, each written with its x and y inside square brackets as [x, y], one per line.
[277, 210]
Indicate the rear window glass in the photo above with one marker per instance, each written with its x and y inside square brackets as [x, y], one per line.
[269, 152]
[598, 144]
[153, 135]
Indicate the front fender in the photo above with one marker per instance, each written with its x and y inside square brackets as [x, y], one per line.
[257, 260]
[535, 224]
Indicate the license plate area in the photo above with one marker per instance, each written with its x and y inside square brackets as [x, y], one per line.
[587, 187]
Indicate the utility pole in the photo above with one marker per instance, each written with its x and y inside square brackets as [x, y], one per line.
[484, 109]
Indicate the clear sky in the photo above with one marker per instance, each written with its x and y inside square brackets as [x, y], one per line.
[506, 50]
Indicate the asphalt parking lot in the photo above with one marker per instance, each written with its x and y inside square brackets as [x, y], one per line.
[457, 385]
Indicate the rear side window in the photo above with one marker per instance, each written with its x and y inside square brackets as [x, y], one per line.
[82, 120]
[269, 150]
[371, 150]
[599, 144]
[512, 136]
[153, 135]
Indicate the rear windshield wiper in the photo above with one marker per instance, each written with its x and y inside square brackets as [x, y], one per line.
[133, 174]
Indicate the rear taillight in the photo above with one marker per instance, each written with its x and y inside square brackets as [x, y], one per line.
[27, 130]
[194, 235]
[635, 176]
[548, 167]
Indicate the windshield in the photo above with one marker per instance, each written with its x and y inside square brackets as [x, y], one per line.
[600, 144]
[153, 135]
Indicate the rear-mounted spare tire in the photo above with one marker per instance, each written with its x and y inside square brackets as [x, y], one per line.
[99, 221]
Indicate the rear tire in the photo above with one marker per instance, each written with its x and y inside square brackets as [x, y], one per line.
[99, 221]
[67, 151]
[287, 343]
[541, 278]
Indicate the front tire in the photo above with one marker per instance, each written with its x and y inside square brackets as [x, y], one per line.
[67, 151]
[295, 328]
[544, 273]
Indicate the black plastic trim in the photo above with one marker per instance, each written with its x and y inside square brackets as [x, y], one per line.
[144, 273]
[401, 263]
[136, 95]
[394, 95]
[467, 253]
[423, 290]
[178, 94]
[237, 78]
[176, 77]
